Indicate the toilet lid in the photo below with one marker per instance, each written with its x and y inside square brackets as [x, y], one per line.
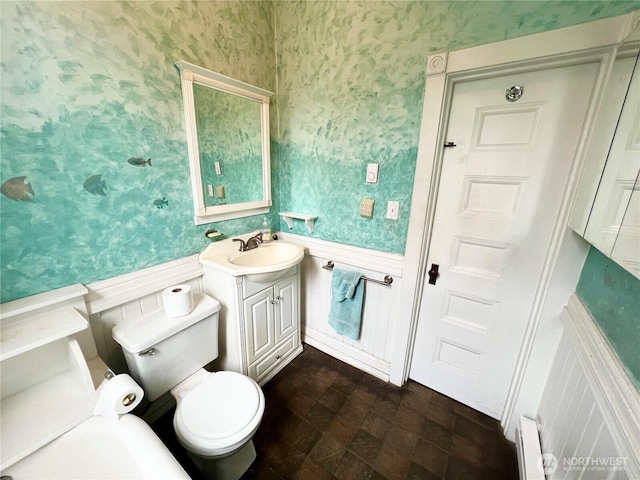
[219, 412]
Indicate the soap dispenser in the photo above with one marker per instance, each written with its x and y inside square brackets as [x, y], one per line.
[266, 231]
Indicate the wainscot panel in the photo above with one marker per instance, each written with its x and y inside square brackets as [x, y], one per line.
[372, 352]
[590, 409]
[128, 297]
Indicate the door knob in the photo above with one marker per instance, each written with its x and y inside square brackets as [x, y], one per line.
[433, 273]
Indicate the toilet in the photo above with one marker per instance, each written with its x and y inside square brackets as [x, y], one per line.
[217, 413]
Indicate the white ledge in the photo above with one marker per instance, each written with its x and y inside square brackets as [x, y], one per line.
[309, 220]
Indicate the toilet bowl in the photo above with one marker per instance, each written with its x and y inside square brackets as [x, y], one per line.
[217, 413]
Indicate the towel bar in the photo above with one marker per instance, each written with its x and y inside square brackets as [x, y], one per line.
[388, 279]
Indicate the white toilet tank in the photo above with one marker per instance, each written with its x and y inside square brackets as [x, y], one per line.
[162, 351]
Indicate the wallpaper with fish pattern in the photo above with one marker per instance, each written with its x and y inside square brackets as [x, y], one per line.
[93, 141]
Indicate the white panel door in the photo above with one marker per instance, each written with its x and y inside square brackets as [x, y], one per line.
[500, 191]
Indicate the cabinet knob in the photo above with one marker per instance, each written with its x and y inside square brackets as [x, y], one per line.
[271, 302]
[278, 298]
[277, 357]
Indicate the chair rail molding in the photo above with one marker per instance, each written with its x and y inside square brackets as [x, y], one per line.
[115, 291]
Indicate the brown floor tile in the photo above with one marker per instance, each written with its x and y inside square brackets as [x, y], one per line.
[342, 430]
[376, 425]
[431, 458]
[314, 387]
[326, 420]
[311, 470]
[300, 404]
[354, 411]
[459, 470]
[328, 453]
[401, 440]
[385, 407]
[409, 419]
[288, 460]
[353, 468]
[344, 385]
[436, 434]
[320, 416]
[365, 394]
[366, 446]
[444, 415]
[305, 436]
[392, 465]
[418, 472]
[332, 399]
[466, 450]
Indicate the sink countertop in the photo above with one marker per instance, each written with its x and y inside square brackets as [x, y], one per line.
[220, 255]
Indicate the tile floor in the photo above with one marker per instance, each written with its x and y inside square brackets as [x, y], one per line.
[325, 420]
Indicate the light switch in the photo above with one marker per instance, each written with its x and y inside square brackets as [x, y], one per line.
[392, 210]
[372, 173]
[220, 191]
[366, 208]
[218, 170]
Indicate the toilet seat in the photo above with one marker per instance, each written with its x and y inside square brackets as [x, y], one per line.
[218, 415]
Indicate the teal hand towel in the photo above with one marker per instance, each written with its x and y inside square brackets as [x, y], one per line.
[347, 293]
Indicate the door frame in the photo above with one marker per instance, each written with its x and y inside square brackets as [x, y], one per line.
[591, 42]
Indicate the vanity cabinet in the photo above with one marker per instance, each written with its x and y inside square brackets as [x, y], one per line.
[259, 331]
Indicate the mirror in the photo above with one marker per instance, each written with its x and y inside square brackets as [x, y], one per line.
[607, 209]
[227, 126]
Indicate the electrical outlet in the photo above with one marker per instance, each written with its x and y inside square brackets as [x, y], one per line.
[218, 170]
[366, 208]
[210, 190]
[392, 210]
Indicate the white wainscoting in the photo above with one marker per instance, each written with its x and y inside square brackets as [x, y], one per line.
[127, 297]
[372, 352]
[590, 409]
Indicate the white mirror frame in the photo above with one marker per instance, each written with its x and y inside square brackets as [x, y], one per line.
[190, 74]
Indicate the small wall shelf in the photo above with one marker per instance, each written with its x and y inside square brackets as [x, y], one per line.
[309, 220]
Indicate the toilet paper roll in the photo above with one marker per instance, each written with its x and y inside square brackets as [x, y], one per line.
[118, 396]
[178, 300]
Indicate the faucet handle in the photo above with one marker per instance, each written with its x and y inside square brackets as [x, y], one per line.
[242, 245]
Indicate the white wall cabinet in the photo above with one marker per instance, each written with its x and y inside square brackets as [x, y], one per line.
[606, 210]
[259, 322]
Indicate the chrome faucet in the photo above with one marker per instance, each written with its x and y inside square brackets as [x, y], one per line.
[250, 244]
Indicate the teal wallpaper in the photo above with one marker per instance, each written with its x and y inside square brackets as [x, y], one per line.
[612, 295]
[351, 81]
[90, 93]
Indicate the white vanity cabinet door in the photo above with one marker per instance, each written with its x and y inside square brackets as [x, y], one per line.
[272, 324]
[259, 324]
[286, 308]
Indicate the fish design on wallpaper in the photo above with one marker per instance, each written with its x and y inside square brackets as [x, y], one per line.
[18, 189]
[96, 185]
[139, 162]
[161, 202]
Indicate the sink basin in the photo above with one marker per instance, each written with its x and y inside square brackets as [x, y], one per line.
[267, 255]
[263, 264]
